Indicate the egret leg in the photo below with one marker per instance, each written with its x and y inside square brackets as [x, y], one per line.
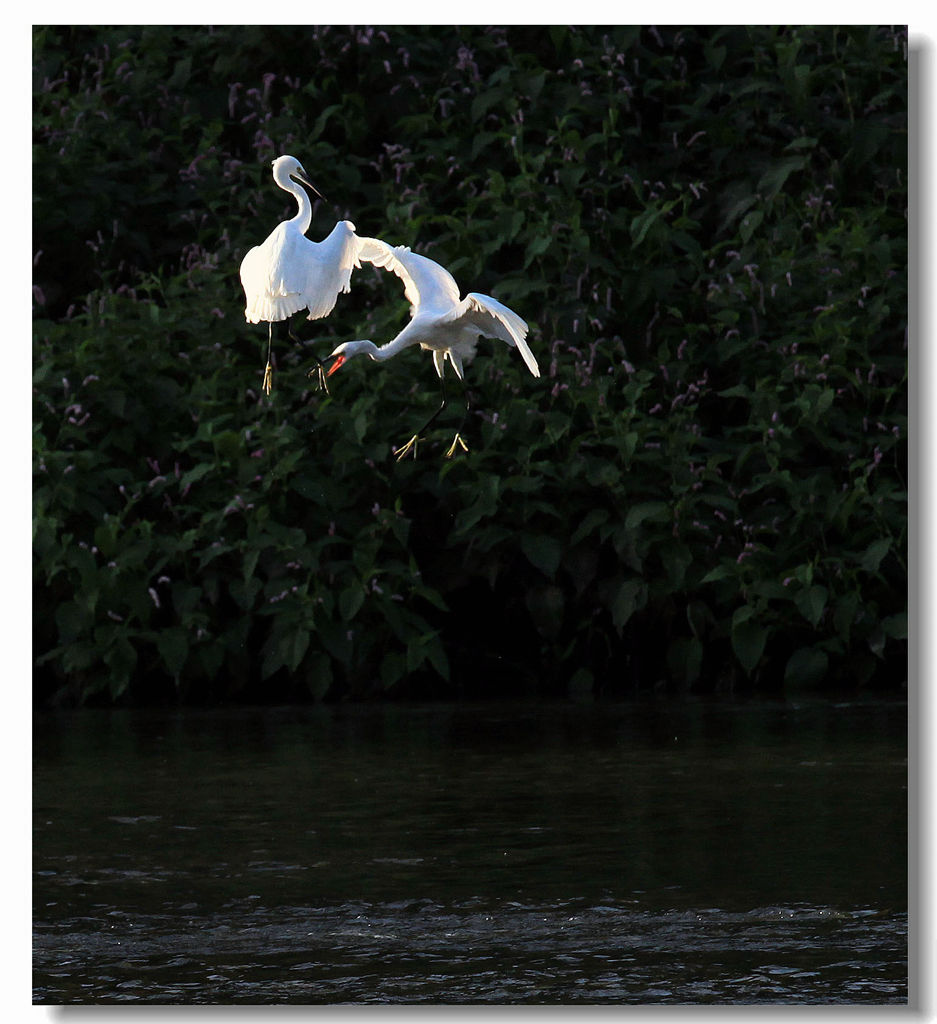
[404, 450]
[411, 445]
[457, 441]
[268, 369]
[320, 368]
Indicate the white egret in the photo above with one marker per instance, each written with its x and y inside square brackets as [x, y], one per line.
[288, 272]
[440, 322]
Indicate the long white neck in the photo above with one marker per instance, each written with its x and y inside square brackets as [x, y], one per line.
[380, 355]
[303, 217]
[392, 348]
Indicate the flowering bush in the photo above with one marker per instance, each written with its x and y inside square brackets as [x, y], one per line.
[706, 490]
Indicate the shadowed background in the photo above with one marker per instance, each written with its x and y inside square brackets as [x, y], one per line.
[705, 492]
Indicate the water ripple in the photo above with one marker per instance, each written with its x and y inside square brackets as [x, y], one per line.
[424, 952]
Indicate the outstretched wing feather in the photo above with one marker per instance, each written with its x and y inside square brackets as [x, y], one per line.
[378, 252]
[287, 273]
[329, 264]
[494, 320]
[426, 284]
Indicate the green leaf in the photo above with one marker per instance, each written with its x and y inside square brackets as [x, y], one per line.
[537, 248]
[687, 243]
[699, 617]
[296, 645]
[714, 55]
[245, 591]
[545, 605]
[728, 316]
[185, 599]
[121, 659]
[896, 626]
[806, 667]
[173, 647]
[581, 684]
[485, 504]
[685, 658]
[721, 572]
[542, 551]
[811, 601]
[393, 668]
[335, 638]
[845, 615]
[739, 207]
[285, 650]
[180, 74]
[750, 223]
[642, 223]
[874, 554]
[748, 643]
[436, 654]
[772, 181]
[593, 518]
[742, 614]
[626, 602]
[483, 101]
[637, 514]
[677, 559]
[76, 657]
[876, 641]
[194, 474]
[72, 620]
[350, 601]
[480, 141]
[824, 401]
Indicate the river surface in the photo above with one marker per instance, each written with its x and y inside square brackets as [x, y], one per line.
[443, 854]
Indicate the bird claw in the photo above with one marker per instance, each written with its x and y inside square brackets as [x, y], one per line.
[268, 378]
[405, 450]
[456, 441]
[323, 383]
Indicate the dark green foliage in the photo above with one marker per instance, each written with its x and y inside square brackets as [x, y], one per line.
[706, 230]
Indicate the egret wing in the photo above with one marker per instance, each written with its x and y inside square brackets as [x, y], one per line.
[327, 267]
[378, 252]
[494, 320]
[427, 285]
[267, 295]
[435, 286]
[288, 272]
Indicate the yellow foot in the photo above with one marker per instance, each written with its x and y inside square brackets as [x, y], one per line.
[268, 378]
[456, 441]
[323, 383]
[405, 450]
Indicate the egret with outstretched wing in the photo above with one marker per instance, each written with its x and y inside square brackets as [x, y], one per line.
[440, 322]
[288, 272]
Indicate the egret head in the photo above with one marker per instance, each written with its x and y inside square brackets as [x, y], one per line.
[286, 166]
[348, 350]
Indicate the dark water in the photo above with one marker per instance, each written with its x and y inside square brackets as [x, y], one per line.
[713, 853]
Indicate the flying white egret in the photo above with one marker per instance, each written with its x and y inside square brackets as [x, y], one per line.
[288, 272]
[440, 322]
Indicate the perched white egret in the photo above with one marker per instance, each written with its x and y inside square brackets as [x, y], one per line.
[440, 322]
[288, 272]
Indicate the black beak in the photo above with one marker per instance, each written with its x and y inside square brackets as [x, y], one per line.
[301, 176]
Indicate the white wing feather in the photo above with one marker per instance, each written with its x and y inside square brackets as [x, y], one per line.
[433, 292]
[494, 320]
[427, 285]
[288, 272]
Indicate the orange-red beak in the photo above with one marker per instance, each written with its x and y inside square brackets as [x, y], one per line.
[338, 362]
